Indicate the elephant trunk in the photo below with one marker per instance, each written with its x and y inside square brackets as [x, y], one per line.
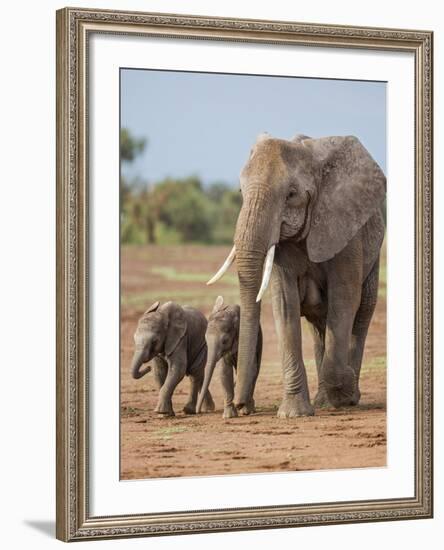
[253, 238]
[138, 361]
[213, 358]
[249, 266]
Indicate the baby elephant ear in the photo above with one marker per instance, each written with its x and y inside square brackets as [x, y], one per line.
[177, 327]
[351, 189]
[153, 307]
[218, 304]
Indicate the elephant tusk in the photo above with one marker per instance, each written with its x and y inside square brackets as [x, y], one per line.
[224, 267]
[268, 266]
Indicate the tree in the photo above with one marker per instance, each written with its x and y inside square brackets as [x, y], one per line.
[130, 147]
[137, 215]
[174, 210]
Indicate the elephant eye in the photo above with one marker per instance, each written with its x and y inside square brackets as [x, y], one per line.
[291, 194]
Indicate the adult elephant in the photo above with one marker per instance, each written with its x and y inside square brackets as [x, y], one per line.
[311, 220]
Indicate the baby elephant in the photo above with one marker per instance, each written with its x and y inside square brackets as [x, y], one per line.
[222, 340]
[173, 337]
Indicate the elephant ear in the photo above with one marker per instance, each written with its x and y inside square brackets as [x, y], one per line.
[218, 304]
[299, 138]
[153, 307]
[351, 188]
[177, 327]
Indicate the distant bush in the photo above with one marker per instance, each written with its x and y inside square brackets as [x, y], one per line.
[226, 203]
[179, 210]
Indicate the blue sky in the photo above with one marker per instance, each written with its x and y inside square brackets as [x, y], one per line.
[205, 124]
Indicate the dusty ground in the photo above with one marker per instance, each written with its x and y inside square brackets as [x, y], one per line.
[153, 446]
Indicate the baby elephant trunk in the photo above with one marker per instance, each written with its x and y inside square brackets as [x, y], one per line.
[138, 361]
[213, 358]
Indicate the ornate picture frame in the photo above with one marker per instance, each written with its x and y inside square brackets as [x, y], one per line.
[74, 29]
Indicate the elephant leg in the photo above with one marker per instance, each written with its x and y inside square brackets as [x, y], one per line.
[195, 385]
[208, 405]
[160, 370]
[318, 333]
[361, 324]
[196, 374]
[287, 316]
[176, 373]
[227, 381]
[337, 378]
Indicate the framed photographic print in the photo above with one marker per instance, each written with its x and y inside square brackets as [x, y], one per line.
[244, 274]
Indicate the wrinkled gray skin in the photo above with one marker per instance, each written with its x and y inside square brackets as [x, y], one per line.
[319, 201]
[173, 338]
[222, 338]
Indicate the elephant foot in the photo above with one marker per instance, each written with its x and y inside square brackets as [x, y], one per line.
[230, 411]
[321, 400]
[342, 390]
[165, 408]
[208, 403]
[295, 405]
[190, 408]
[169, 412]
[249, 408]
[355, 397]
